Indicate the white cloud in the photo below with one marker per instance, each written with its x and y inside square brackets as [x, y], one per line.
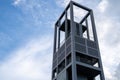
[64, 3]
[35, 12]
[108, 33]
[30, 62]
[103, 5]
[16, 2]
[88, 3]
[117, 74]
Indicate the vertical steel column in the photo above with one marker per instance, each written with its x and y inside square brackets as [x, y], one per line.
[54, 48]
[93, 26]
[96, 39]
[58, 34]
[65, 42]
[55, 38]
[66, 25]
[74, 74]
[81, 31]
[87, 29]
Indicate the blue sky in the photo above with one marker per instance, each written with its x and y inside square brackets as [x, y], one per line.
[26, 36]
[21, 22]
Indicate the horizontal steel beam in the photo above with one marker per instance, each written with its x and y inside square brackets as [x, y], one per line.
[63, 13]
[84, 18]
[81, 6]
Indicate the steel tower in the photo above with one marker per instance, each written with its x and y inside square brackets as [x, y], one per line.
[76, 54]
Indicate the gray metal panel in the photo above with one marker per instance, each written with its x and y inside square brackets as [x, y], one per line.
[93, 52]
[68, 41]
[91, 44]
[80, 48]
[62, 48]
[62, 75]
[55, 56]
[79, 40]
[54, 63]
[68, 49]
[61, 57]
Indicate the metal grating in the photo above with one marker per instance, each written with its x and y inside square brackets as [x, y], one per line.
[93, 52]
[62, 76]
[61, 57]
[54, 63]
[61, 49]
[80, 40]
[85, 59]
[80, 48]
[91, 44]
[68, 50]
[68, 41]
[55, 56]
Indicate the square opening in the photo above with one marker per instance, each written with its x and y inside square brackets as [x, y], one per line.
[87, 59]
[61, 66]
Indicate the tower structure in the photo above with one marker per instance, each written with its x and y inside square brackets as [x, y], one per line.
[76, 54]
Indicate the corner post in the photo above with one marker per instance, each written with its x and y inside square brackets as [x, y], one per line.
[74, 74]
